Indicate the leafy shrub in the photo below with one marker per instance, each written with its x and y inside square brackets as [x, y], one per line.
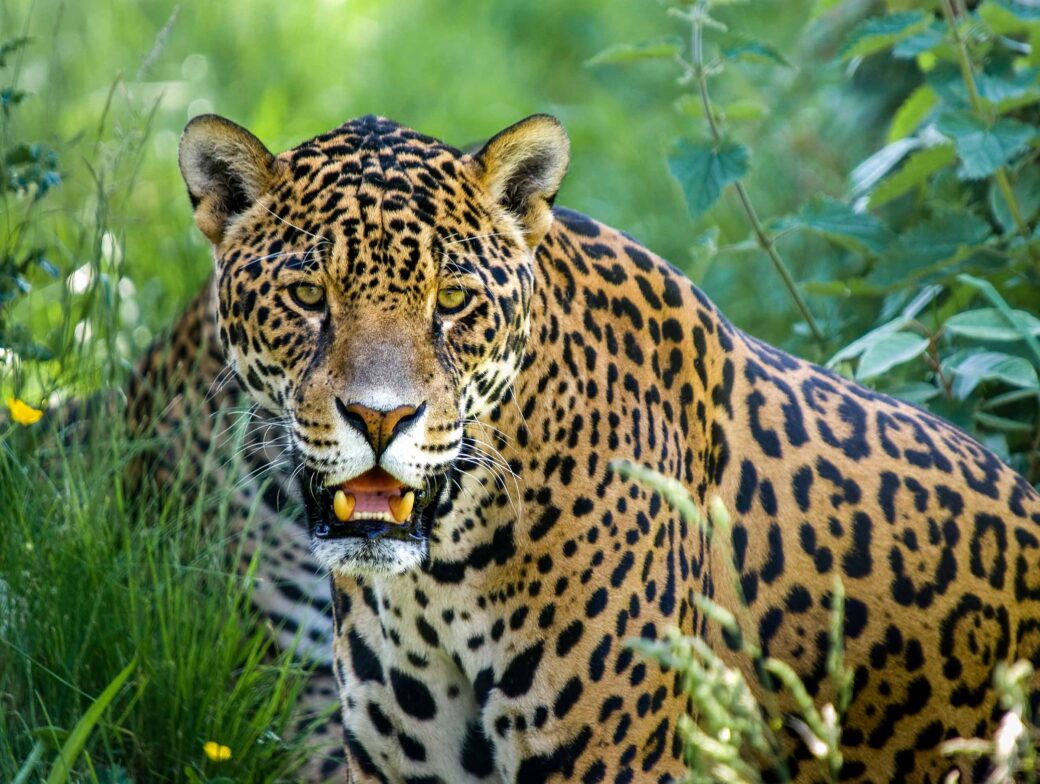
[937, 231]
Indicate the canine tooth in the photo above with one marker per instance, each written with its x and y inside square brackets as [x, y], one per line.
[401, 505]
[343, 505]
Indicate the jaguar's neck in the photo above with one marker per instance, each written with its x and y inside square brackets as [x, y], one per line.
[660, 369]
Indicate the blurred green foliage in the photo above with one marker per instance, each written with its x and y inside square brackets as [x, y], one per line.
[457, 70]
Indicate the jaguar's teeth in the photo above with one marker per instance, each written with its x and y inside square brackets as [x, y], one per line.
[343, 505]
[401, 505]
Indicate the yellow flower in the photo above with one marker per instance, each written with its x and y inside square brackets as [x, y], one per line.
[23, 413]
[216, 751]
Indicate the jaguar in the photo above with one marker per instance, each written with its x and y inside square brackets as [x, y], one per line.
[451, 366]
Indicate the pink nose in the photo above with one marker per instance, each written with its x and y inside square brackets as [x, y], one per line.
[378, 427]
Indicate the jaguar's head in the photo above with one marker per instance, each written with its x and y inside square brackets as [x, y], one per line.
[374, 292]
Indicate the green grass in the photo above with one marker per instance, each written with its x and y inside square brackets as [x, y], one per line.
[92, 582]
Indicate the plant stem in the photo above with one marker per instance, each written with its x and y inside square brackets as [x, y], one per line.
[765, 241]
[1000, 175]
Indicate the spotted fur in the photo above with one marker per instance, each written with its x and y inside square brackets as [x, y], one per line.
[491, 648]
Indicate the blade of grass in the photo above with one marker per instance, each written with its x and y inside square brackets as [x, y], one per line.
[78, 737]
[30, 764]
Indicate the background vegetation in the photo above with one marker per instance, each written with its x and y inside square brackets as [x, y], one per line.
[877, 146]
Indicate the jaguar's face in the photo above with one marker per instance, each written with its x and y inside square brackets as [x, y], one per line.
[374, 292]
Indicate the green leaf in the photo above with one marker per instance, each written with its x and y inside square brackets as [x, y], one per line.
[932, 36]
[52, 737]
[839, 223]
[689, 104]
[29, 764]
[990, 293]
[892, 350]
[753, 50]
[659, 49]
[822, 7]
[1009, 91]
[703, 171]
[1026, 189]
[1000, 20]
[1009, 398]
[707, 241]
[947, 81]
[981, 149]
[1016, 102]
[744, 110]
[991, 324]
[917, 169]
[845, 288]
[1026, 11]
[880, 32]
[912, 111]
[917, 392]
[971, 368]
[739, 110]
[943, 237]
[878, 334]
[1002, 424]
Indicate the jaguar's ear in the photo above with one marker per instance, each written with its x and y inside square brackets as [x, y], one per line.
[522, 168]
[226, 169]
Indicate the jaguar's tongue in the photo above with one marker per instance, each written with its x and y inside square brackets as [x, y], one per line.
[375, 495]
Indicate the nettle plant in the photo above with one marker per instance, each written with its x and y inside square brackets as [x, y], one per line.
[939, 225]
[28, 173]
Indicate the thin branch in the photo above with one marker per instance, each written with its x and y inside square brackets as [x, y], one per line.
[977, 106]
[765, 241]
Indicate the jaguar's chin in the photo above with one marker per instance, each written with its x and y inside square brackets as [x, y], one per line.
[371, 524]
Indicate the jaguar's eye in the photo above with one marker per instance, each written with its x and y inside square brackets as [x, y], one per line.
[452, 300]
[308, 296]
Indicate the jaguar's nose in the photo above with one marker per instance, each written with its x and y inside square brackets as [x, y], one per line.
[378, 427]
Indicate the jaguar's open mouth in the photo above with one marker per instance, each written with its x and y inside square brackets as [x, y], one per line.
[373, 505]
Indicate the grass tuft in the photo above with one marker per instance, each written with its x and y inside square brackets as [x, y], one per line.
[90, 582]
